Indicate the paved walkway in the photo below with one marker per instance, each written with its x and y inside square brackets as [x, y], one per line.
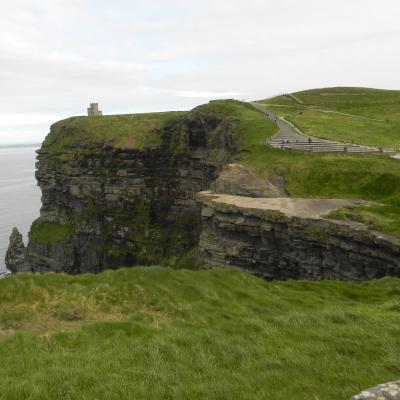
[290, 138]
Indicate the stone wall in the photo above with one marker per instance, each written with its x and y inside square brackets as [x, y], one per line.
[290, 239]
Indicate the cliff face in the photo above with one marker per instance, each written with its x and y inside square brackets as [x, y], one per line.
[291, 239]
[109, 203]
[123, 191]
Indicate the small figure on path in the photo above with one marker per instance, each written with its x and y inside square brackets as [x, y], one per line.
[309, 141]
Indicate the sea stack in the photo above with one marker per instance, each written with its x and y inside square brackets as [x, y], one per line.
[15, 256]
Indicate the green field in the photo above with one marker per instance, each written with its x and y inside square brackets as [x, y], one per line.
[374, 114]
[156, 333]
[320, 176]
[131, 131]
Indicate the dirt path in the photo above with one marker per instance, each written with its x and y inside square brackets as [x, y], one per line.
[311, 108]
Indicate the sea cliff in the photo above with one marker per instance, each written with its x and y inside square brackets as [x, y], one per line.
[124, 191]
[121, 190]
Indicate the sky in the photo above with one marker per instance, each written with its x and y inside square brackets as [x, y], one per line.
[132, 56]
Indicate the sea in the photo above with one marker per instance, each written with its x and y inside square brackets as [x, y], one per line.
[19, 195]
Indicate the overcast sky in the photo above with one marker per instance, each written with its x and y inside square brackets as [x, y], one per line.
[135, 56]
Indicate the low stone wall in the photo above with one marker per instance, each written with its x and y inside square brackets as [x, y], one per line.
[387, 391]
[290, 239]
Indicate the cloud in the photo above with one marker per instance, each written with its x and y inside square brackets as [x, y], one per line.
[206, 95]
[58, 55]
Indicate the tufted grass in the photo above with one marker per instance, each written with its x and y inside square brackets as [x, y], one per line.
[155, 333]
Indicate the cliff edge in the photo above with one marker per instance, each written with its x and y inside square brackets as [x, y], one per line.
[287, 238]
[121, 190]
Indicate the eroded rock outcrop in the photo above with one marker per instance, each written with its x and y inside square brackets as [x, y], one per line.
[291, 239]
[238, 180]
[15, 255]
[387, 391]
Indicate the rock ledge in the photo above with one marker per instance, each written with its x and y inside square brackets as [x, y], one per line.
[286, 238]
[387, 391]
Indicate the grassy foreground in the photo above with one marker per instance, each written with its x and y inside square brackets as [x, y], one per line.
[373, 115]
[223, 334]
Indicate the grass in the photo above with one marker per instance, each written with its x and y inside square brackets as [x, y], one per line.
[133, 131]
[374, 119]
[381, 218]
[50, 232]
[320, 176]
[156, 333]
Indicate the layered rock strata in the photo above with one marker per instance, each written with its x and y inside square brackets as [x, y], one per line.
[105, 206]
[291, 239]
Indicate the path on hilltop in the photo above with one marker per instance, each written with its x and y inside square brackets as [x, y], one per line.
[291, 138]
[316, 109]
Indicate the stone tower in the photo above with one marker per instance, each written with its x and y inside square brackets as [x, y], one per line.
[93, 110]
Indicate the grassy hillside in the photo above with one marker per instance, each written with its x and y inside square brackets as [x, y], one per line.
[131, 131]
[372, 115]
[320, 176]
[161, 334]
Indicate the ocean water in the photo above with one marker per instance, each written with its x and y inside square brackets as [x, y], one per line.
[19, 195]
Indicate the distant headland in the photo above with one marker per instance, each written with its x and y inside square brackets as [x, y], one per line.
[18, 146]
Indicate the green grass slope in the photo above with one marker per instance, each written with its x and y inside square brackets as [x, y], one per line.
[320, 176]
[156, 333]
[131, 131]
[374, 115]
